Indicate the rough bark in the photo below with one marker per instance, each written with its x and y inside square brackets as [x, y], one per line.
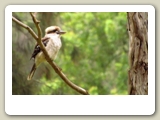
[138, 53]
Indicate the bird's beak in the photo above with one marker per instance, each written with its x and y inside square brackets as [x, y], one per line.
[61, 32]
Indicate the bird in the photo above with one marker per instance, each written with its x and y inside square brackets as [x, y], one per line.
[52, 43]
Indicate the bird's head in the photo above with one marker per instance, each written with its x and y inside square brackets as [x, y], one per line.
[54, 30]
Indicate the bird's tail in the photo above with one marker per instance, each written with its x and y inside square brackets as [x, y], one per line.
[31, 72]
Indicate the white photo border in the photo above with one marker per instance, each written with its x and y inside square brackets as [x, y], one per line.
[79, 104]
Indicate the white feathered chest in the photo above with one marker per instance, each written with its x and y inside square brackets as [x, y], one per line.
[52, 46]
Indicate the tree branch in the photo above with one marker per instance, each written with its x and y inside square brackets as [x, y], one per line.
[48, 59]
[26, 27]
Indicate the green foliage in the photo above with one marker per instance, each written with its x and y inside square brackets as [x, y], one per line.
[93, 55]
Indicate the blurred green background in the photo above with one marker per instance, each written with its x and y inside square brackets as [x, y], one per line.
[94, 54]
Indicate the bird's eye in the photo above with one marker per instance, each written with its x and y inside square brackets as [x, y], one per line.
[57, 32]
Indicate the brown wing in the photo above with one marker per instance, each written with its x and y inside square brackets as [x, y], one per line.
[37, 48]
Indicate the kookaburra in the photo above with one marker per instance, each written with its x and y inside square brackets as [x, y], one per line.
[52, 43]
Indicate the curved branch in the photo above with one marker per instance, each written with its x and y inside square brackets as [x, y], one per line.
[48, 59]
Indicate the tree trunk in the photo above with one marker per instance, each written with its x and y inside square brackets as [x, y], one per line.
[138, 53]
